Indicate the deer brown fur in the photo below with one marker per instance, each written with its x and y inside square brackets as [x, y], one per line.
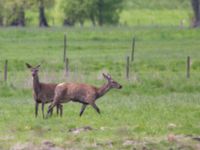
[82, 93]
[42, 92]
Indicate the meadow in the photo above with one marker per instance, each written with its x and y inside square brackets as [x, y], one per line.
[157, 101]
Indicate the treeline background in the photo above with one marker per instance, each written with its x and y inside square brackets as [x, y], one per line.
[91, 12]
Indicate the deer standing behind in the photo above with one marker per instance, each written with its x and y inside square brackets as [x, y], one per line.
[82, 93]
[42, 92]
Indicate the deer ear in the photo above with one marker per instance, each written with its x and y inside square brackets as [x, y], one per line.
[109, 76]
[105, 76]
[28, 66]
[38, 66]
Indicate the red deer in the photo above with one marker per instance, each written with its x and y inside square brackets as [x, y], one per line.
[82, 93]
[42, 92]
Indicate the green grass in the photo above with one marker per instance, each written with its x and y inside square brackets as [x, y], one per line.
[156, 95]
[154, 4]
[156, 17]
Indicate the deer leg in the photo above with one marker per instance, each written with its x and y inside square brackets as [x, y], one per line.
[43, 110]
[82, 109]
[36, 109]
[56, 101]
[96, 108]
[57, 109]
[50, 109]
[61, 109]
[51, 113]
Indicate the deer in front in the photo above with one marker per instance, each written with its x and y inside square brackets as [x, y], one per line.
[42, 92]
[82, 93]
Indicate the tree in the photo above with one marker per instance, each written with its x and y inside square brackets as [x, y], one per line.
[40, 6]
[108, 12]
[42, 16]
[196, 8]
[98, 11]
[91, 10]
[1, 12]
[15, 12]
[74, 11]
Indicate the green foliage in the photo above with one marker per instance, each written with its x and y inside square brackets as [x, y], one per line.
[1, 12]
[80, 10]
[111, 11]
[75, 11]
[12, 11]
[34, 4]
[130, 12]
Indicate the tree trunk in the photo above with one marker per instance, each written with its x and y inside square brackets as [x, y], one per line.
[100, 11]
[81, 22]
[68, 22]
[92, 18]
[1, 20]
[42, 17]
[196, 8]
[21, 17]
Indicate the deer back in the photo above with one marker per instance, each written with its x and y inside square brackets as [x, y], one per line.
[83, 93]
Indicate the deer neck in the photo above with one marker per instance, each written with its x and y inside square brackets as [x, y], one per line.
[103, 90]
[36, 84]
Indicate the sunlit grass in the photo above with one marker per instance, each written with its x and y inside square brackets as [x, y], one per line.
[146, 17]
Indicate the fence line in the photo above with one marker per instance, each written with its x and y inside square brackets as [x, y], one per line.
[6, 70]
[65, 48]
[67, 67]
[127, 67]
[188, 67]
[133, 49]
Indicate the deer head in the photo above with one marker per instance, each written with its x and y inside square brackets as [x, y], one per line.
[34, 70]
[111, 82]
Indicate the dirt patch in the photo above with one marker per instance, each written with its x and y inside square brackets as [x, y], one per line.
[196, 138]
[45, 145]
[170, 141]
[79, 130]
[24, 146]
[132, 142]
[48, 145]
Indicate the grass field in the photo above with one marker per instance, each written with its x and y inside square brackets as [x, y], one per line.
[146, 17]
[156, 103]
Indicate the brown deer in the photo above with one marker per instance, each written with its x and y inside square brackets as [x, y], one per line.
[42, 92]
[82, 93]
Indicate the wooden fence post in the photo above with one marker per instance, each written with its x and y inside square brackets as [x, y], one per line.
[67, 67]
[5, 70]
[133, 49]
[188, 67]
[65, 47]
[127, 67]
